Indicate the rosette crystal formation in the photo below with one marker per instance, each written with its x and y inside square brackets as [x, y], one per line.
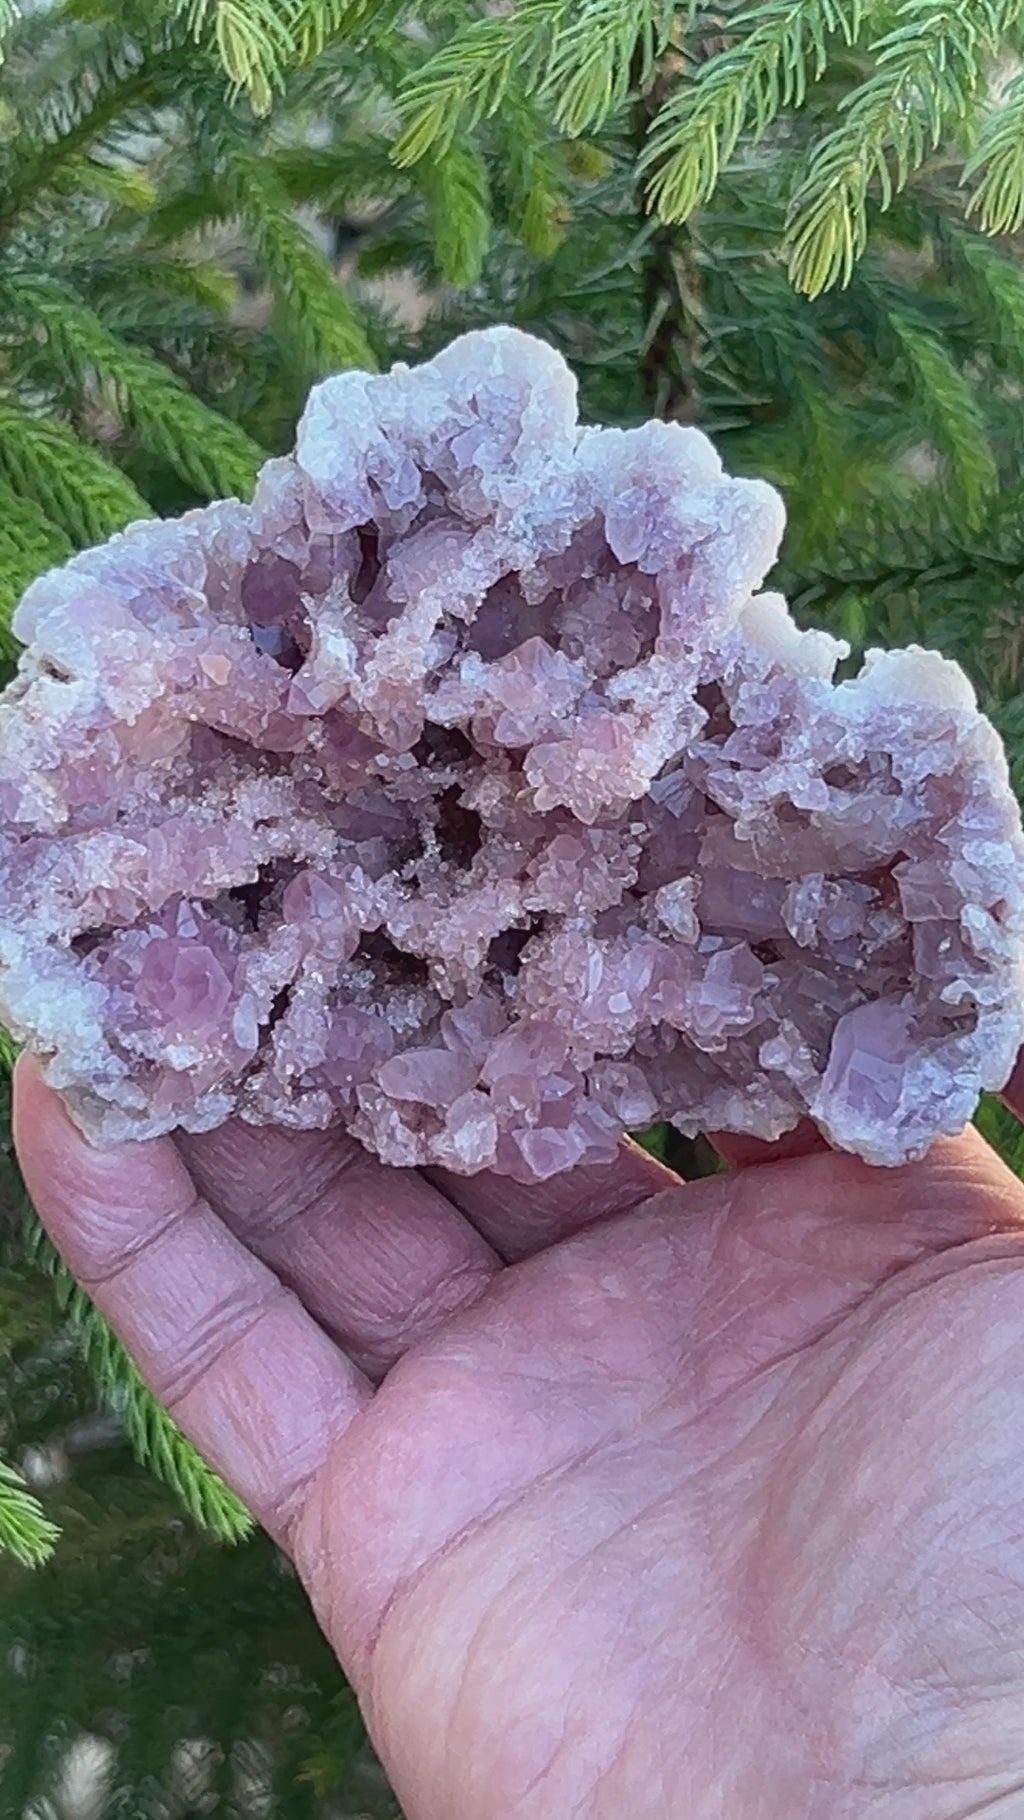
[464, 789]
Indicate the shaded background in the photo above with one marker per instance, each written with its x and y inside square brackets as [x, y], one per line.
[201, 212]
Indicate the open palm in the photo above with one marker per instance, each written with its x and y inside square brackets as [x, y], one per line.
[616, 1497]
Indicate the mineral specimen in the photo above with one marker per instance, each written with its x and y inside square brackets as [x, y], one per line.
[462, 788]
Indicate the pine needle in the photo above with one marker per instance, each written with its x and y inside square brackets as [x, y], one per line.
[997, 162]
[455, 188]
[259, 41]
[210, 453]
[927, 77]
[81, 495]
[29, 544]
[782, 47]
[467, 80]
[953, 416]
[25, 1530]
[598, 54]
[9, 16]
[328, 329]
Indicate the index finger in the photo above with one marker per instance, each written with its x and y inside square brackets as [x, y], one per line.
[234, 1356]
[520, 1220]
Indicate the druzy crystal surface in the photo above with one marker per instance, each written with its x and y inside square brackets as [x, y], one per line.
[464, 789]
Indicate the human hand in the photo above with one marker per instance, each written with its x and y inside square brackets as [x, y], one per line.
[616, 1496]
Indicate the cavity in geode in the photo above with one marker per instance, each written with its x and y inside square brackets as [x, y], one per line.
[464, 790]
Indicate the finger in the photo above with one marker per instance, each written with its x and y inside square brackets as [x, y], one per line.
[518, 1220]
[240, 1364]
[1013, 1093]
[377, 1255]
[742, 1152]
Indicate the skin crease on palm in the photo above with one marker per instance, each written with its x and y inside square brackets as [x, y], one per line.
[615, 1496]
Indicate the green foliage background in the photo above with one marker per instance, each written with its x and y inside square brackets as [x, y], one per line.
[795, 223]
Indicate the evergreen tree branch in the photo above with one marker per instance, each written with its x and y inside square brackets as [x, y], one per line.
[29, 544]
[259, 41]
[9, 16]
[997, 163]
[253, 39]
[928, 73]
[117, 77]
[355, 167]
[141, 282]
[455, 189]
[952, 415]
[326, 324]
[742, 89]
[884, 556]
[317, 23]
[992, 286]
[532, 178]
[578, 57]
[122, 186]
[605, 49]
[154, 1438]
[238, 179]
[213, 455]
[25, 1530]
[82, 497]
[671, 312]
[187, 208]
[467, 80]
[813, 453]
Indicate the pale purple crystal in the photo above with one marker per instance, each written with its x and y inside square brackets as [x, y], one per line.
[463, 789]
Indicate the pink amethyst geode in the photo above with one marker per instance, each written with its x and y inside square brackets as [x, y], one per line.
[463, 789]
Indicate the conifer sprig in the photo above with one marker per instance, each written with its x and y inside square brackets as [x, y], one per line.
[466, 81]
[928, 73]
[456, 189]
[991, 286]
[115, 75]
[326, 326]
[253, 41]
[605, 48]
[781, 48]
[84, 497]
[997, 165]
[533, 177]
[9, 15]
[211, 454]
[578, 58]
[29, 544]
[25, 1530]
[953, 416]
[259, 41]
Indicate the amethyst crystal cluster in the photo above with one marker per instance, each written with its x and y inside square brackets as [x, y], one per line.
[464, 789]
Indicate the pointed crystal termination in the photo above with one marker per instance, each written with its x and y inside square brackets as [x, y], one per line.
[464, 789]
